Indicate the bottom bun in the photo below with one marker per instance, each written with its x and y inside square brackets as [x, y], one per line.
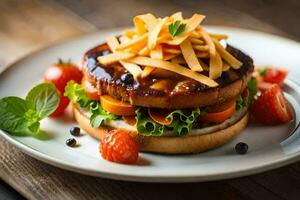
[170, 144]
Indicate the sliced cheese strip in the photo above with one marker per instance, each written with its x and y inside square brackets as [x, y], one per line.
[194, 22]
[132, 68]
[142, 39]
[174, 68]
[218, 36]
[130, 33]
[124, 39]
[172, 51]
[215, 66]
[225, 67]
[147, 71]
[144, 23]
[232, 61]
[201, 54]
[153, 33]
[177, 16]
[201, 47]
[114, 57]
[169, 56]
[196, 41]
[112, 42]
[144, 51]
[136, 48]
[176, 40]
[209, 42]
[190, 56]
[179, 60]
[156, 53]
[196, 35]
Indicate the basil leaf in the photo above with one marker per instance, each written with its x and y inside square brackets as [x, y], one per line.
[76, 93]
[12, 112]
[44, 99]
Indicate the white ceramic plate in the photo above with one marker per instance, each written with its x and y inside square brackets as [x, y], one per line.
[270, 147]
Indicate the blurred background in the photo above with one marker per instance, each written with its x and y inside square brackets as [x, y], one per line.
[35, 23]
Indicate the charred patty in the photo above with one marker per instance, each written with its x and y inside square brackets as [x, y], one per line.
[164, 89]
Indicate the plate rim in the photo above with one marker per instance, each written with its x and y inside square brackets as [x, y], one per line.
[276, 163]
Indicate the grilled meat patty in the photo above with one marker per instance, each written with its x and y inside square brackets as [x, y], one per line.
[164, 89]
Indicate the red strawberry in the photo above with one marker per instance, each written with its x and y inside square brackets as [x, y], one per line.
[119, 146]
[271, 107]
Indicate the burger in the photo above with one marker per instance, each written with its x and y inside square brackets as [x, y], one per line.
[170, 83]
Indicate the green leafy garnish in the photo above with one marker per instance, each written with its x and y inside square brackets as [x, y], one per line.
[21, 116]
[176, 28]
[252, 88]
[99, 116]
[182, 122]
[76, 93]
[145, 125]
[247, 101]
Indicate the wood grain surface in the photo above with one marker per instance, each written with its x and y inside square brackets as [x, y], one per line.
[31, 24]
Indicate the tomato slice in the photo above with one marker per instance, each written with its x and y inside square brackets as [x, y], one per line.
[116, 107]
[90, 89]
[274, 75]
[159, 116]
[263, 86]
[221, 116]
[271, 107]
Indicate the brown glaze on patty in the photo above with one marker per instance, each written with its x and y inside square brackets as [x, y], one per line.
[179, 92]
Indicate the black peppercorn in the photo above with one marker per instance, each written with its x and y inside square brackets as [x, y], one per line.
[75, 131]
[71, 142]
[127, 78]
[241, 148]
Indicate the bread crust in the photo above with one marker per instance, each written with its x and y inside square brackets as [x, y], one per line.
[170, 144]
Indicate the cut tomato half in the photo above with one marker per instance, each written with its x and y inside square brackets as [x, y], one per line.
[221, 116]
[116, 107]
[274, 75]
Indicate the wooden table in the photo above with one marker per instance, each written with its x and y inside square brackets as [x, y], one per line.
[31, 24]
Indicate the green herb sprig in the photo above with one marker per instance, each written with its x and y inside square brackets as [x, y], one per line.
[176, 28]
[22, 116]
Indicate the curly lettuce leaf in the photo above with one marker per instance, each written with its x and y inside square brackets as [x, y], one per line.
[146, 126]
[182, 122]
[99, 116]
[76, 93]
[247, 101]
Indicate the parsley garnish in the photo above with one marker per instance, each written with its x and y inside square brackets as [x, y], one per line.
[176, 28]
